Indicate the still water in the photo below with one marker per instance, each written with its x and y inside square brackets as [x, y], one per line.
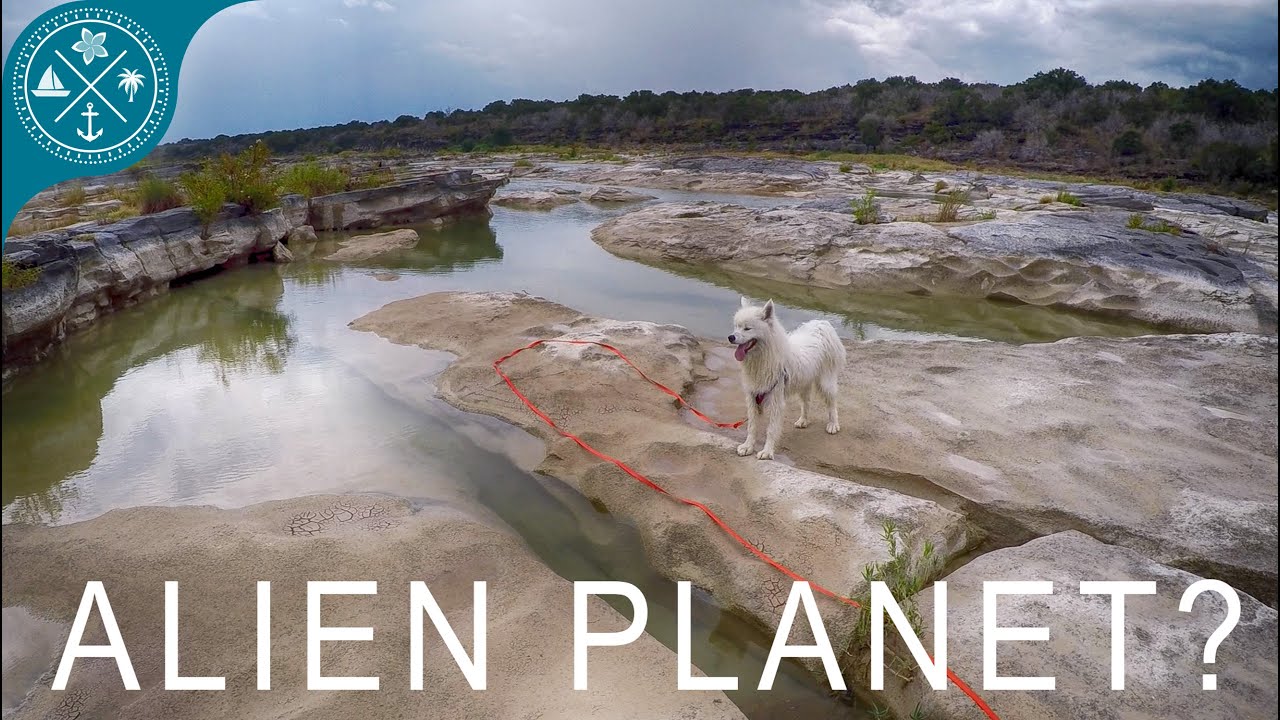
[248, 386]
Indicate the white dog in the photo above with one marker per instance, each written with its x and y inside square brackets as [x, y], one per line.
[775, 363]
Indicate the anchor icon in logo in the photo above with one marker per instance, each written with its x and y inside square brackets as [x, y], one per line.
[90, 135]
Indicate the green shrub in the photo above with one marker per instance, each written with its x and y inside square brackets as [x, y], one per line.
[17, 277]
[1128, 143]
[1167, 184]
[940, 186]
[1135, 221]
[846, 168]
[311, 179]
[246, 179]
[949, 210]
[864, 210]
[1046, 199]
[1069, 199]
[206, 192]
[157, 195]
[250, 180]
[523, 162]
[74, 195]
[905, 575]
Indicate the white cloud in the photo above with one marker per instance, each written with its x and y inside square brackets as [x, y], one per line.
[379, 5]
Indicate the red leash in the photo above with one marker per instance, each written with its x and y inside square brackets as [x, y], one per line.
[978, 701]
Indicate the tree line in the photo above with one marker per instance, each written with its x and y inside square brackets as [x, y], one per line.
[1214, 131]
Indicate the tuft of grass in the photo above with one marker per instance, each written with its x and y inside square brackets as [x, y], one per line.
[120, 213]
[949, 210]
[523, 162]
[940, 186]
[1046, 199]
[1069, 199]
[311, 179]
[18, 277]
[373, 179]
[865, 210]
[1137, 222]
[74, 196]
[906, 575]
[157, 195]
[846, 167]
[987, 215]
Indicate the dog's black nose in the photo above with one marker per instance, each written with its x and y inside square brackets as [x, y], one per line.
[732, 340]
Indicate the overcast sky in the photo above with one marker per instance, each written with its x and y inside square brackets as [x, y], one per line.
[280, 64]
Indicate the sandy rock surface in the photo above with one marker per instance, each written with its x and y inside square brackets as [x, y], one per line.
[363, 247]
[1080, 260]
[217, 557]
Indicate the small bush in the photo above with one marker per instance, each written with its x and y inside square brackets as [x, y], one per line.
[905, 575]
[246, 179]
[846, 168]
[864, 210]
[17, 277]
[157, 195]
[1135, 221]
[523, 162]
[1128, 143]
[1069, 199]
[74, 196]
[940, 186]
[1167, 184]
[1046, 199]
[206, 192]
[949, 210]
[311, 179]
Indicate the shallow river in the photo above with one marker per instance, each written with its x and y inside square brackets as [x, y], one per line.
[248, 386]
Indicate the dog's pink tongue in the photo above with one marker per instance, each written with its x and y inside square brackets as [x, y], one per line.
[740, 352]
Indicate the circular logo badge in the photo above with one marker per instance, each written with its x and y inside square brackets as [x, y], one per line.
[90, 85]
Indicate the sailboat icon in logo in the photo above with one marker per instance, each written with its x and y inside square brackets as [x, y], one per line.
[50, 85]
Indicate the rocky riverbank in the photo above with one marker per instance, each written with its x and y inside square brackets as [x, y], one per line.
[218, 556]
[1088, 261]
[1160, 448]
[85, 271]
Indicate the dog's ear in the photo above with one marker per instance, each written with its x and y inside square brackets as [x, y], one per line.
[745, 301]
[768, 310]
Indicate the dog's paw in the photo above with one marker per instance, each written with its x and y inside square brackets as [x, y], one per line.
[802, 423]
[745, 449]
[833, 428]
[764, 455]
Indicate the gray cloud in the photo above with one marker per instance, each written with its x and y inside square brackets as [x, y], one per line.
[299, 63]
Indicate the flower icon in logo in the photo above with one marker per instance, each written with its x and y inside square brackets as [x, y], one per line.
[90, 45]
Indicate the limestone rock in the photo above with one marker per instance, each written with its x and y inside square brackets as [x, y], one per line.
[1084, 261]
[614, 195]
[363, 247]
[456, 192]
[84, 275]
[280, 253]
[532, 199]
[827, 529]
[217, 556]
[1163, 646]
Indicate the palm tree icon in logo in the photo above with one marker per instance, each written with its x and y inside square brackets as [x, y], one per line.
[130, 81]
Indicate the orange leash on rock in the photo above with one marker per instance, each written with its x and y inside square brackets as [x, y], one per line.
[497, 366]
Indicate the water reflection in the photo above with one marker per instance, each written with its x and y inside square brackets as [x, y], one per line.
[454, 247]
[53, 413]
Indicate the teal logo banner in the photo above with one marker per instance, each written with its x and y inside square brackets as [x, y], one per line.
[92, 89]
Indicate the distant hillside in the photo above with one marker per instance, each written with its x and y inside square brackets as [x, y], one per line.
[1213, 132]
